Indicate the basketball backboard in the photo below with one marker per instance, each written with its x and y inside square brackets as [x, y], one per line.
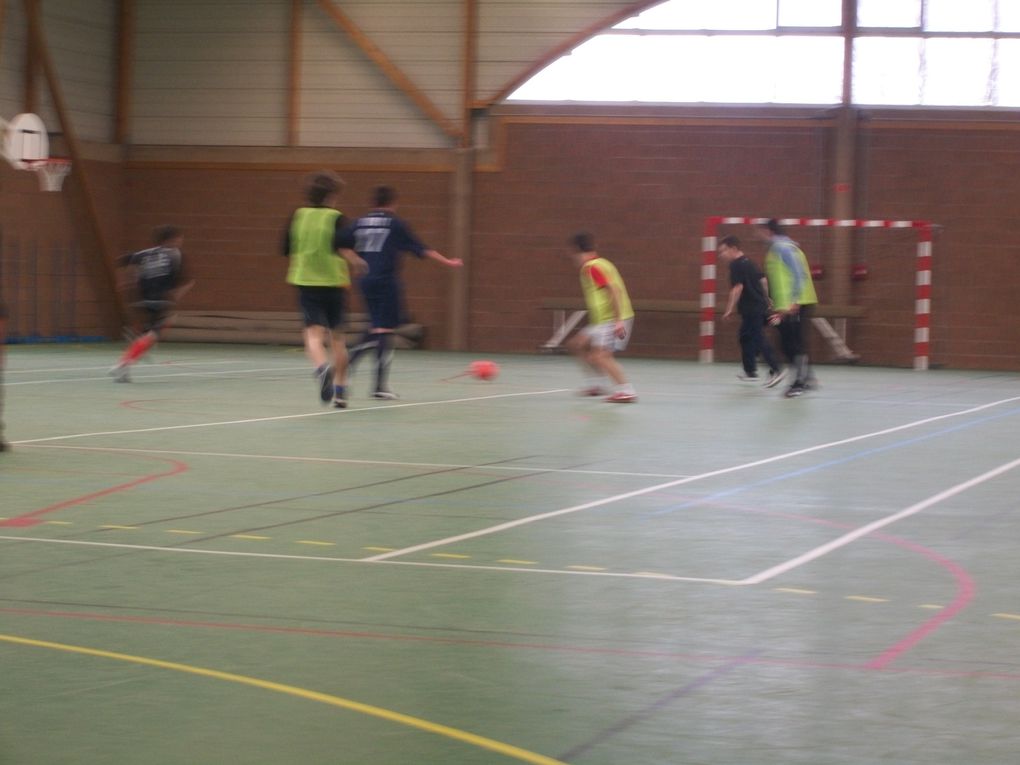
[25, 140]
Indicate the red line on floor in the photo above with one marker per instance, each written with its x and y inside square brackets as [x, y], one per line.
[563, 648]
[34, 517]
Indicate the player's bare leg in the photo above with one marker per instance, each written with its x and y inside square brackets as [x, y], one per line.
[340, 363]
[315, 349]
[580, 346]
[623, 391]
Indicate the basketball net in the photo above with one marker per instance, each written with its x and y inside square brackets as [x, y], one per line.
[51, 172]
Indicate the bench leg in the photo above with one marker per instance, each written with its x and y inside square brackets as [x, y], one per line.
[562, 327]
[835, 339]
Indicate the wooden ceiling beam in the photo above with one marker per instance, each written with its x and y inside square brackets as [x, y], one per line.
[82, 200]
[390, 69]
[560, 50]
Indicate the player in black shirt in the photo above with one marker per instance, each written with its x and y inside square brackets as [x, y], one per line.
[749, 297]
[161, 281]
[379, 238]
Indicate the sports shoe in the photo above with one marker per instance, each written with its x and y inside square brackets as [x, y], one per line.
[748, 378]
[794, 390]
[325, 378]
[119, 373]
[776, 376]
[622, 397]
[386, 395]
[592, 390]
[339, 402]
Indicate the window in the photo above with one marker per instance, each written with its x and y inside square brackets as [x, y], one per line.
[905, 52]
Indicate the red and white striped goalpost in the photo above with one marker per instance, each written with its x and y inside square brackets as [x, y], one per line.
[922, 291]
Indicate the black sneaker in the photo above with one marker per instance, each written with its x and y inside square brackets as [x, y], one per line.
[386, 395]
[747, 378]
[794, 390]
[326, 384]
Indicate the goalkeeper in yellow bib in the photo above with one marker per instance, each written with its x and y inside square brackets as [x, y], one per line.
[793, 300]
[610, 321]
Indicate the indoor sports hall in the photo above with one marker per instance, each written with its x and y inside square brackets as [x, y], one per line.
[205, 561]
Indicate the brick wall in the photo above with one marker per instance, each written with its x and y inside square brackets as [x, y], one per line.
[643, 188]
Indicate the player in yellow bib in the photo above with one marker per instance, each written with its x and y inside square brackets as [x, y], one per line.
[322, 278]
[793, 299]
[610, 321]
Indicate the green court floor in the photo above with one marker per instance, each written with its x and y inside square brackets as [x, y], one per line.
[208, 566]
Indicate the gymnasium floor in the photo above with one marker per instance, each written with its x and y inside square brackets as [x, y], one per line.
[206, 566]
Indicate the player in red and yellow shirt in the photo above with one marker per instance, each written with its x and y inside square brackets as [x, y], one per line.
[610, 321]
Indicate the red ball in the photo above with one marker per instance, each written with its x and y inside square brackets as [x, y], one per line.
[484, 370]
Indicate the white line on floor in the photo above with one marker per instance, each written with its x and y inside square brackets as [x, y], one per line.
[670, 484]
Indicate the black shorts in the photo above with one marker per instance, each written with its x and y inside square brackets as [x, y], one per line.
[155, 310]
[385, 303]
[322, 306]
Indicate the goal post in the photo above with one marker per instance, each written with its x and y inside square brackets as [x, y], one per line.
[922, 288]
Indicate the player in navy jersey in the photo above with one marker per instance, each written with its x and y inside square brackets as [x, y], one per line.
[379, 238]
[161, 281]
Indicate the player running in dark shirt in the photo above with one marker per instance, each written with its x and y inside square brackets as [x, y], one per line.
[161, 281]
[379, 238]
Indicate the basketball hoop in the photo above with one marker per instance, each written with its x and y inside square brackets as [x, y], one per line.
[51, 172]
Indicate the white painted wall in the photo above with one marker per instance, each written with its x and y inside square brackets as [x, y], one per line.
[215, 72]
[81, 37]
[12, 57]
[210, 72]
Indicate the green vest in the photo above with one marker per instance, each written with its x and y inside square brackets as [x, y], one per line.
[789, 275]
[600, 305]
[313, 261]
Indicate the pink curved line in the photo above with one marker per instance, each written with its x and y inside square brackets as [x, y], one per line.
[965, 591]
[32, 518]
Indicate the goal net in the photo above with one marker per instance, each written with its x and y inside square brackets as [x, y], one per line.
[922, 282]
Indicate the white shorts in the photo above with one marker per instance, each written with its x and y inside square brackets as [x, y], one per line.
[604, 335]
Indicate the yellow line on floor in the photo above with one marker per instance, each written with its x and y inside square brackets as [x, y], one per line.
[587, 568]
[866, 599]
[115, 526]
[796, 591]
[59, 523]
[314, 542]
[518, 562]
[380, 549]
[482, 742]
[450, 555]
[1014, 617]
[182, 531]
[248, 536]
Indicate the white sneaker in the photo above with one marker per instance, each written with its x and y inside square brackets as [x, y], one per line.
[119, 373]
[622, 397]
[775, 378]
[386, 395]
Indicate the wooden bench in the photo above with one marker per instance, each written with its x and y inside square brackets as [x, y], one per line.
[563, 324]
[266, 327]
